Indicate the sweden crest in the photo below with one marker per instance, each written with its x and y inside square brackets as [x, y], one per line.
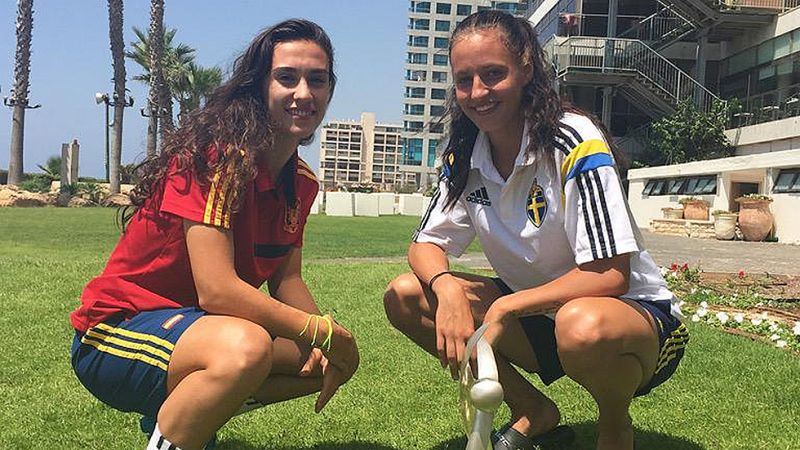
[537, 205]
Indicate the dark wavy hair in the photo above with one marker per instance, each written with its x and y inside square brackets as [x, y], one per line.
[235, 120]
[541, 106]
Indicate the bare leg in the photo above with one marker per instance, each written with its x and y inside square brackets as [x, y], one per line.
[610, 347]
[216, 365]
[284, 383]
[411, 308]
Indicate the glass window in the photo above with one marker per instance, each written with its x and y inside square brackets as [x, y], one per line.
[442, 25]
[509, 7]
[417, 58]
[418, 41]
[413, 125]
[415, 110]
[439, 77]
[796, 41]
[440, 42]
[438, 94]
[443, 8]
[674, 186]
[788, 181]
[437, 128]
[439, 60]
[464, 10]
[437, 110]
[783, 45]
[766, 52]
[432, 144]
[416, 75]
[701, 185]
[420, 24]
[412, 152]
[423, 7]
[415, 92]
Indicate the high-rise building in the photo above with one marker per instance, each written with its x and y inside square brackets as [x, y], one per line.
[363, 152]
[427, 78]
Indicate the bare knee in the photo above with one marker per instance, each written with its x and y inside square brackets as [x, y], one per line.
[585, 332]
[402, 299]
[244, 352]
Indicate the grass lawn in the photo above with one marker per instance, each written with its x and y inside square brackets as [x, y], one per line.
[729, 393]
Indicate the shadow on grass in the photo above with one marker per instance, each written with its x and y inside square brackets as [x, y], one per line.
[235, 444]
[585, 440]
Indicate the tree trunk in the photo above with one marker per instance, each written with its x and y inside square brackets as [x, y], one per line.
[22, 71]
[152, 131]
[115, 16]
[161, 97]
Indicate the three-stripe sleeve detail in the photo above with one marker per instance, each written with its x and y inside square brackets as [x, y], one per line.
[427, 215]
[586, 220]
[596, 215]
[598, 227]
[606, 215]
[572, 131]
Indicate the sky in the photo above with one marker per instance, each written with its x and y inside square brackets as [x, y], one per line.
[71, 61]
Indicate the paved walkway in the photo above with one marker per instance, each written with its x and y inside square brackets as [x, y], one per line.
[710, 254]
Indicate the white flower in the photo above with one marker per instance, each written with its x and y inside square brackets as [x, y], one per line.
[663, 270]
[695, 318]
[704, 305]
[759, 304]
[702, 312]
[764, 315]
[693, 290]
[722, 317]
[756, 295]
[774, 337]
[780, 343]
[773, 327]
[738, 317]
[756, 322]
[796, 329]
[681, 303]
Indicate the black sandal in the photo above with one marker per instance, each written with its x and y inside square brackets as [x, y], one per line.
[507, 438]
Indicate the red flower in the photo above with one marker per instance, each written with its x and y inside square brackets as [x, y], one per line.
[685, 267]
[673, 267]
[741, 274]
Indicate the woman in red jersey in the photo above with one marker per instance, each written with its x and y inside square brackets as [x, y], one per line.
[176, 328]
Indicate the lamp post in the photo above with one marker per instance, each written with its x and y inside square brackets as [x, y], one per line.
[100, 97]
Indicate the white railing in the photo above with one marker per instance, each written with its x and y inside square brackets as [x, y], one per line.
[630, 56]
[663, 26]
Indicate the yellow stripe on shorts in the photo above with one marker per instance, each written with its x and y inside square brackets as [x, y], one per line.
[124, 354]
[142, 347]
[133, 334]
[677, 340]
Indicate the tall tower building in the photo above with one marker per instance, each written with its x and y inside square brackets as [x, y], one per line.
[363, 152]
[427, 78]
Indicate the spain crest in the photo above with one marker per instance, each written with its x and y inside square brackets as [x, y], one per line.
[291, 219]
[537, 205]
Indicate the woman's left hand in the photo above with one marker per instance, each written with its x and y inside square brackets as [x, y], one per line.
[497, 315]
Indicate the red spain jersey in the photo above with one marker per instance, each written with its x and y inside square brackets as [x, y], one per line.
[149, 268]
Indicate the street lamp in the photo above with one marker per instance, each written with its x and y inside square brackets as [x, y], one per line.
[100, 97]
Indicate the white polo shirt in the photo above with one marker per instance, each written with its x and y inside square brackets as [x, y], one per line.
[538, 225]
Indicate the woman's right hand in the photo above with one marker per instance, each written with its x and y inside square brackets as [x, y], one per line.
[454, 323]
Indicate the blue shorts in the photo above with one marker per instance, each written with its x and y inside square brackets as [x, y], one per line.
[672, 339]
[124, 362]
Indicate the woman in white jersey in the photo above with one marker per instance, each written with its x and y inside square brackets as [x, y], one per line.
[576, 293]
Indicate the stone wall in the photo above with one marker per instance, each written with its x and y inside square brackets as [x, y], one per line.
[703, 229]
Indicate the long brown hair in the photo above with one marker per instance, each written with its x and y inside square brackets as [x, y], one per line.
[541, 106]
[235, 120]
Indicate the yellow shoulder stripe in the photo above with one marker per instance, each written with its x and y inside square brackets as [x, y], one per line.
[583, 150]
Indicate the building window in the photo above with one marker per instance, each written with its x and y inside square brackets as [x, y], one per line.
[412, 152]
[463, 10]
[788, 181]
[437, 128]
[417, 58]
[654, 187]
[421, 7]
[440, 42]
[442, 25]
[411, 125]
[415, 92]
[416, 75]
[439, 77]
[437, 110]
[439, 60]
[700, 185]
[418, 41]
[443, 8]
[432, 145]
[415, 110]
[420, 24]
[509, 7]
[438, 94]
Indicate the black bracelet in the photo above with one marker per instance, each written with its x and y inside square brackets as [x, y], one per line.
[433, 278]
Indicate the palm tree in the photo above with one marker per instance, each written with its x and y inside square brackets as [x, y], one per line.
[175, 60]
[118, 57]
[159, 90]
[19, 96]
[195, 86]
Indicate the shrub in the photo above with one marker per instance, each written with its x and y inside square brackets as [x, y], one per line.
[37, 182]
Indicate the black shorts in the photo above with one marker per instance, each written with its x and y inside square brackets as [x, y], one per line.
[672, 339]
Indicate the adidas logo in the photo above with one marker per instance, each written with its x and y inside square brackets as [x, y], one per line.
[480, 197]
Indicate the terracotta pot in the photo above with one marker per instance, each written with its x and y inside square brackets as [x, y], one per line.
[755, 219]
[672, 213]
[725, 226]
[695, 210]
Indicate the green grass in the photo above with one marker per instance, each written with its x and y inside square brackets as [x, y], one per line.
[729, 393]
